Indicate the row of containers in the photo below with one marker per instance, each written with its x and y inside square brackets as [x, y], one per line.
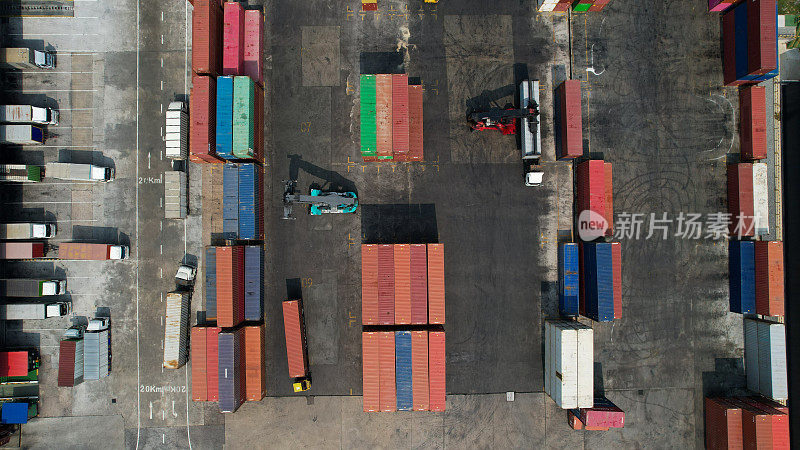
[745, 422]
[233, 277]
[403, 370]
[227, 95]
[756, 277]
[590, 280]
[749, 40]
[402, 284]
[391, 118]
[242, 202]
[574, 5]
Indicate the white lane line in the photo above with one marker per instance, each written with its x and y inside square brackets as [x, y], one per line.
[162, 297]
[50, 127]
[60, 17]
[161, 225]
[162, 321]
[65, 146]
[162, 85]
[161, 249]
[148, 160]
[161, 272]
[138, 359]
[162, 16]
[161, 203]
[162, 39]
[46, 202]
[162, 62]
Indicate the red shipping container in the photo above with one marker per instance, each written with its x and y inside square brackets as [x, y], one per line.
[255, 380]
[779, 417]
[591, 193]
[199, 369]
[370, 363]
[202, 118]
[560, 7]
[753, 124]
[400, 117]
[573, 421]
[763, 401]
[769, 278]
[419, 284]
[740, 198]
[369, 284]
[66, 364]
[723, 425]
[603, 417]
[253, 45]
[729, 49]
[386, 284]
[14, 363]
[212, 362]
[436, 284]
[419, 370]
[436, 370]
[609, 206]
[230, 286]
[383, 115]
[761, 37]
[206, 37]
[416, 122]
[598, 5]
[388, 397]
[616, 265]
[570, 120]
[402, 284]
[294, 329]
[233, 39]
[756, 425]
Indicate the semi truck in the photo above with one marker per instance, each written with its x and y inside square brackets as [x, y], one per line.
[97, 252]
[21, 134]
[20, 311]
[175, 195]
[21, 250]
[26, 58]
[176, 330]
[20, 173]
[78, 172]
[27, 230]
[28, 287]
[176, 137]
[28, 114]
[296, 350]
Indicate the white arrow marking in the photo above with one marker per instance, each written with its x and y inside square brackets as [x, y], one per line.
[148, 160]
[174, 414]
[151, 410]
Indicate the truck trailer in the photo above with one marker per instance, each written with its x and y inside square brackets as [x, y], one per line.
[20, 173]
[28, 114]
[26, 58]
[78, 172]
[176, 134]
[89, 252]
[22, 311]
[27, 230]
[21, 250]
[28, 287]
[21, 134]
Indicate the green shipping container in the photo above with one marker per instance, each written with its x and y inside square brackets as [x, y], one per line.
[368, 123]
[34, 173]
[582, 5]
[244, 116]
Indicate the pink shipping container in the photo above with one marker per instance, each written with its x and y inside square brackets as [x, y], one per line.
[386, 284]
[419, 370]
[740, 198]
[199, 369]
[206, 37]
[388, 397]
[402, 284]
[415, 125]
[233, 39]
[761, 36]
[369, 284]
[21, 250]
[719, 5]
[753, 122]
[370, 351]
[436, 370]
[400, 117]
[419, 284]
[253, 44]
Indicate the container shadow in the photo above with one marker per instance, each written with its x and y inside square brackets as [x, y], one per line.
[399, 224]
[728, 378]
[294, 290]
[382, 62]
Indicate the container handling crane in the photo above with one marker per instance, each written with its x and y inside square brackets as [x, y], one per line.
[319, 202]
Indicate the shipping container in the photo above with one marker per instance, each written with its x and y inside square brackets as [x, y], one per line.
[436, 370]
[231, 370]
[21, 250]
[371, 371]
[568, 280]
[570, 139]
[402, 284]
[761, 31]
[176, 322]
[436, 290]
[368, 117]
[608, 174]
[255, 379]
[616, 262]
[294, 328]
[386, 284]
[230, 201]
[756, 426]
[17, 363]
[95, 351]
[419, 284]
[232, 38]
[403, 377]
[176, 131]
[603, 414]
[383, 116]
[224, 122]
[569, 363]
[753, 122]
[206, 37]
[778, 417]
[599, 282]
[386, 355]
[20, 173]
[740, 199]
[176, 193]
[253, 306]
[772, 381]
[760, 199]
[591, 189]
[369, 284]
[24, 311]
[212, 362]
[751, 365]
[585, 365]
[259, 125]
[723, 425]
[769, 292]
[244, 109]
[28, 114]
[740, 20]
[21, 134]
[70, 362]
[419, 370]
[94, 252]
[29, 287]
[230, 286]
[741, 265]
[249, 208]
[253, 45]
[400, 117]
[211, 283]
[199, 370]
[416, 124]
[719, 5]
[202, 118]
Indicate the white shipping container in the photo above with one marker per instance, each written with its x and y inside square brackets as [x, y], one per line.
[569, 363]
[548, 356]
[176, 325]
[175, 195]
[760, 198]
[530, 140]
[177, 131]
[95, 364]
[751, 354]
[772, 360]
[547, 5]
[585, 364]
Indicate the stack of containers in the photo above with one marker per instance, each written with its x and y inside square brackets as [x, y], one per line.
[602, 416]
[386, 369]
[400, 117]
[420, 379]
[595, 191]
[569, 363]
[568, 279]
[436, 370]
[769, 292]
[212, 362]
[176, 323]
[750, 42]
[723, 424]
[570, 128]
[386, 284]
[224, 122]
[230, 201]
[598, 300]
[295, 333]
[765, 358]
[416, 122]
[576, 5]
[244, 117]
[391, 118]
[241, 202]
[176, 138]
[742, 276]
[255, 380]
[402, 284]
[206, 62]
[748, 199]
[253, 263]
[368, 118]
[745, 422]
[753, 123]
[231, 371]
[436, 284]
[370, 359]
[230, 286]
[95, 346]
[383, 115]
[370, 310]
[419, 284]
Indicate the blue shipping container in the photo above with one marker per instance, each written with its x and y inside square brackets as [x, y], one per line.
[742, 268]
[741, 45]
[402, 352]
[230, 366]
[230, 201]
[211, 283]
[225, 117]
[247, 202]
[568, 279]
[14, 413]
[252, 283]
[599, 278]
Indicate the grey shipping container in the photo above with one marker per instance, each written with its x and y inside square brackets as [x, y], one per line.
[231, 370]
[175, 195]
[751, 354]
[211, 283]
[772, 380]
[95, 350]
[253, 256]
[176, 330]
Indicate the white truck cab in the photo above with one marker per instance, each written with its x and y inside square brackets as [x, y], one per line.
[54, 287]
[118, 252]
[43, 230]
[98, 324]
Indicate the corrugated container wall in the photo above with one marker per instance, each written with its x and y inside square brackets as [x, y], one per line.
[232, 38]
[570, 142]
[199, 370]
[402, 284]
[386, 349]
[253, 263]
[419, 370]
[230, 286]
[70, 360]
[599, 282]
[295, 338]
[255, 378]
[591, 187]
[769, 278]
[383, 114]
[400, 117]
[436, 289]
[368, 117]
[211, 283]
[249, 208]
[369, 284]
[751, 366]
[244, 117]
[416, 124]
[419, 284]
[224, 125]
[772, 379]
[212, 362]
[253, 44]
[741, 268]
[230, 201]
[568, 279]
[370, 371]
[386, 284]
[231, 370]
[176, 324]
[202, 118]
[723, 425]
[753, 122]
[206, 37]
[436, 370]
[403, 377]
[616, 261]
[761, 30]
[740, 199]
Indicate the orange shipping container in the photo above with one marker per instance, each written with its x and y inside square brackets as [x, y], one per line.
[402, 284]
[230, 286]
[199, 369]
[255, 381]
[609, 182]
[388, 397]
[415, 127]
[206, 37]
[383, 115]
[436, 370]
[756, 425]
[295, 338]
[419, 370]
[400, 117]
[212, 362]
[371, 371]
[386, 284]
[419, 284]
[436, 283]
[769, 278]
[369, 284]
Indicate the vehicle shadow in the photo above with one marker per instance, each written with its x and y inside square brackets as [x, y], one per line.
[333, 181]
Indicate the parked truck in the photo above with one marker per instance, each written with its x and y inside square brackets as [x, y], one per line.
[21, 134]
[20, 311]
[176, 135]
[21, 250]
[28, 114]
[176, 330]
[175, 195]
[27, 230]
[78, 172]
[96, 344]
[84, 251]
[296, 350]
[28, 287]
[20, 173]
[26, 58]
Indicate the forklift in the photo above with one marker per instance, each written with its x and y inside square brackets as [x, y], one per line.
[301, 384]
[319, 202]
